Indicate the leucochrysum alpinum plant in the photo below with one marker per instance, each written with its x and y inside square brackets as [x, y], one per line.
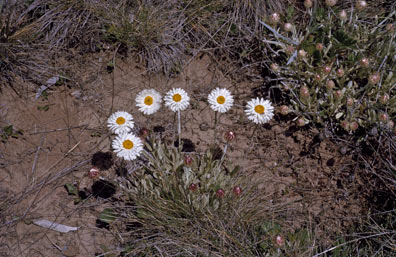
[179, 203]
[340, 69]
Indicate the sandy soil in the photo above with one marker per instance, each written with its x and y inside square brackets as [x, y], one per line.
[57, 146]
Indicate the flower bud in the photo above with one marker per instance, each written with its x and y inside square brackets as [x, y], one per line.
[374, 78]
[193, 187]
[330, 84]
[338, 94]
[290, 49]
[340, 73]
[229, 136]
[391, 124]
[319, 46]
[144, 132]
[353, 126]
[279, 240]
[188, 160]
[274, 18]
[331, 3]
[304, 92]
[383, 117]
[93, 173]
[350, 102]
[384, 98]
[364, 62]
[274, 67]
[326, 69]
[288, 27]
[361, 5]
[308, 4]
[301, 122]
[302, 53]
[317, 77]
[220, 193]
[284, 110]
[237, 190]
[345, 124]
[343, 15]
[390, 27]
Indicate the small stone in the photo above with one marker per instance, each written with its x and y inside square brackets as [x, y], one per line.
[76, 93]
[204, 126]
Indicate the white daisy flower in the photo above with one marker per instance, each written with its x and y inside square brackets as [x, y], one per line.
[259, 110]
[120, 122]
[220, 100]
[127, 146]
[149, 101]
[177, 99]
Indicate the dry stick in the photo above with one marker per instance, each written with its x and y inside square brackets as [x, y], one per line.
[57, 130]
[112, 79]
[179, 129]
[47, 172]
[36, 157]
[354, 240]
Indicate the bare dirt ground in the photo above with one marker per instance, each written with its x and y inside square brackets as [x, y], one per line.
[58, 141]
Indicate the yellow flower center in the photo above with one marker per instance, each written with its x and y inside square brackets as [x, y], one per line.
[177, 97]
[221, 99]
[148, 100]
[127, 144]
[120, 120]
[259, 109]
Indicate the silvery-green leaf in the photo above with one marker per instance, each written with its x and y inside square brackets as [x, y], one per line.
[339, 115]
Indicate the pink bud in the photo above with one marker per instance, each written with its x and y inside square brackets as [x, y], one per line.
[302, 53]
[301, 122]
[237, 190]
[284, 110]
[193, 187]
[390, 27]
[350, 102]
[93, 173]
[274, 67]
[220, 193]
[338, 94]
[360, 5]
[274, 18]
[317, 77]
[364, 62]
[353, 126]
[384, 98]
[343, 15]
[391, 124]
[308, 3]
[383, 117]
[374, 78]
[144, 132]
[340, 72]
[288, 27]
[290, 49]
[330, 84]
[326, 69]
[331, 3]
[345, 124]
[229, 136]
[188, 160]
[304, 92]
[319, 46]
[279, 240]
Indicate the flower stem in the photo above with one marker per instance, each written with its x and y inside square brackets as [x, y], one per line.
[215, 129]
[254, 131]
[179, 129]
[224, 153]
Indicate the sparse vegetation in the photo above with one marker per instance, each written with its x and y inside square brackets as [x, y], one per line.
[326, 65]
